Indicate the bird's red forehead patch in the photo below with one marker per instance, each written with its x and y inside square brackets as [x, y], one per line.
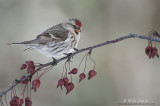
[78, 23]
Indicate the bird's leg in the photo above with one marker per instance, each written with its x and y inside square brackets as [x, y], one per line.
[54, 61]
[17, 81]
[69, 56]
[76, 49]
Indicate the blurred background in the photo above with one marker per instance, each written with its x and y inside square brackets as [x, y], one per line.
[123, 69]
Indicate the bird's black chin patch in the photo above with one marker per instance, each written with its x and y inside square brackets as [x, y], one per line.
[77, 32]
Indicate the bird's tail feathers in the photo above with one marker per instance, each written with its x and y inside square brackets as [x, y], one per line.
[25, 43]
[14, 43]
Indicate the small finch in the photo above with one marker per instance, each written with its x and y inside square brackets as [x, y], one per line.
[58, 40]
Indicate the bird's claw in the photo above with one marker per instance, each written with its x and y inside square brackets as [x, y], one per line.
[54, 61]
[17, 81]
[69, 56]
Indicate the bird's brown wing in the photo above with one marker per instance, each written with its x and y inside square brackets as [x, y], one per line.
[55, 33]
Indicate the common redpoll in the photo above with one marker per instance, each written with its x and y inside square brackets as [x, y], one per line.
[58, 40]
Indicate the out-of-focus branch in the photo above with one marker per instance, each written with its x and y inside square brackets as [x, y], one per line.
[79, 51]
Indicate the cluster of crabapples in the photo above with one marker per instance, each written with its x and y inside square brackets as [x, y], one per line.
[69, 85]
[15, 100]
[64, 80]
[151, 51]
[30, 83]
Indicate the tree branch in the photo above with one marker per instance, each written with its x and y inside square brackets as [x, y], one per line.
[79, 51]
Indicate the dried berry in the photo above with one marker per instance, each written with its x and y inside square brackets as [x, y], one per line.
[24, 66]
[60, 83]
[35, 84]
[15, 101]
[69, 87]
[73, 71]
[154, 52]
[148, 51]
[28, 101]
[82, 76]
[30, 65]
[151, 52]
[91, 74]
[66, 80]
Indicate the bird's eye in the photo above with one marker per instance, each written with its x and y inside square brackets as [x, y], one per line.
[74, 26]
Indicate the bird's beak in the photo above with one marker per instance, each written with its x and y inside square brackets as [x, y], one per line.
[78, 30]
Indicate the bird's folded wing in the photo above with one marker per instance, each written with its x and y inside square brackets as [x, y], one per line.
[56, 33]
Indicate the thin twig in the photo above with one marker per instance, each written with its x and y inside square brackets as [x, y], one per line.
[82, 50]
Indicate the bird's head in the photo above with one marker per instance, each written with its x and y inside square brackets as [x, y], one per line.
[73, 25]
